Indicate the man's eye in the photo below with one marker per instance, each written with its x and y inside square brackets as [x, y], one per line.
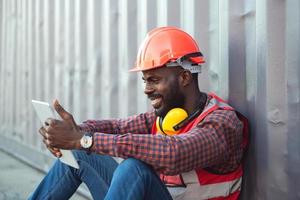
[151, 81]
[155, 80]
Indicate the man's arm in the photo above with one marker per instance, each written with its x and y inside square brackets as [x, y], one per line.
[66, 134]
[215, 141]
[137, 124]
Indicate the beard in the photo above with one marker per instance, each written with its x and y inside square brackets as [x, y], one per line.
[173, 99]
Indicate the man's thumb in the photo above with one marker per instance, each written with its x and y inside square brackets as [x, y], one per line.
[61, 111]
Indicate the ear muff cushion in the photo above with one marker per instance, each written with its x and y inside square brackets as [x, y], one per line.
[172, 118]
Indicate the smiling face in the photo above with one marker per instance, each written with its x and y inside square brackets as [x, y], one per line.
[163, 88]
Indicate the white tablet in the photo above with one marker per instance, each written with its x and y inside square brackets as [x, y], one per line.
[45, 111]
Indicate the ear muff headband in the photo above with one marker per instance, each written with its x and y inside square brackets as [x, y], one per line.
[187, 120]
[160, 124]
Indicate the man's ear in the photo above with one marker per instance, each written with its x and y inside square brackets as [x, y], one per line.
[186, 77]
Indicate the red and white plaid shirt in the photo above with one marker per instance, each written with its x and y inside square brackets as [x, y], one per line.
[215, 143]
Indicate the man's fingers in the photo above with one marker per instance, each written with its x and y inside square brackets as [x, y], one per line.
[42, 131]
[52, 122]
[64, 114]
[47, 143]
[55, 151]
[61, 111]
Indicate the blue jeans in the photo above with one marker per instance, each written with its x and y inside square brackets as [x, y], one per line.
[131, 180]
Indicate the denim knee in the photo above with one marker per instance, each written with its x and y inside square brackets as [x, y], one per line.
[132, 165]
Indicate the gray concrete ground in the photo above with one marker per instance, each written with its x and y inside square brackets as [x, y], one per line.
[17, 179]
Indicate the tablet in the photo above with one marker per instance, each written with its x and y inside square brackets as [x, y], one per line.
[45, 111]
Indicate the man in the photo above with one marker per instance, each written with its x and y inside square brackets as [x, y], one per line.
[189, 147]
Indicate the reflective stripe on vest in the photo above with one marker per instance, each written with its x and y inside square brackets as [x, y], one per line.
[195, 190]
[201, 184]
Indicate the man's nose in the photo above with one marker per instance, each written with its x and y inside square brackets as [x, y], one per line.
[148, 89]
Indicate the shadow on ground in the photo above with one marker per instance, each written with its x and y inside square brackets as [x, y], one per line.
[18, 180]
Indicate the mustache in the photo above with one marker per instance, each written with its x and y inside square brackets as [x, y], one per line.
[154, 96]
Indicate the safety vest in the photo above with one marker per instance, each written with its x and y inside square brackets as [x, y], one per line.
[200, 183]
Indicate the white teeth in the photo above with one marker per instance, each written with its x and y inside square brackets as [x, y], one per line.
[156, 102]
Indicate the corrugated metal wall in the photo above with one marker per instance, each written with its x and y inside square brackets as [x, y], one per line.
[80, 51]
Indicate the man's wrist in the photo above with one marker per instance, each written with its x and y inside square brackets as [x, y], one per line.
[77, 144]
[86, 141]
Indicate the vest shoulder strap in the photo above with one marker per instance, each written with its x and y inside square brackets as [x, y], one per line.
[214, 103]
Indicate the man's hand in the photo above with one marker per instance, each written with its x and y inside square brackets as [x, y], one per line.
[61, 134]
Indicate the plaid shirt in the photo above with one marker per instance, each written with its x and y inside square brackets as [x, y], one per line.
[215, 143]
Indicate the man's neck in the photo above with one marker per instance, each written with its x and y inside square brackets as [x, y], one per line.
[195, 102]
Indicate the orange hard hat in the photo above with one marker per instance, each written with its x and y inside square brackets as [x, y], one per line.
[168, 46]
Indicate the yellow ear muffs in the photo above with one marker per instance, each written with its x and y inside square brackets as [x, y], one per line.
[172, 118]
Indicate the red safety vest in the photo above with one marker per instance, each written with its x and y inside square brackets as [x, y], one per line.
[200, 183]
